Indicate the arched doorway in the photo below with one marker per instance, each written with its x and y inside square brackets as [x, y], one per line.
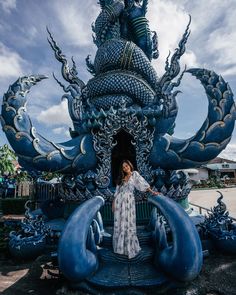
[124, 150]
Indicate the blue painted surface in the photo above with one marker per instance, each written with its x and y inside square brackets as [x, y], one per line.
[124, 96]
[75, 261]
[220, 228]
[183, 259]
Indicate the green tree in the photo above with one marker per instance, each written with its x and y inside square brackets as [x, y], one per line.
[22, 176]
[50, 175]
[7, 156]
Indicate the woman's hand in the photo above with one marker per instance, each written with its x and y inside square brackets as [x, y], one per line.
[113, 206]
[155, 193]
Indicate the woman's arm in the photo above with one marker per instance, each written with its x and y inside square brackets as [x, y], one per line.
[152, 192]
[141, 184]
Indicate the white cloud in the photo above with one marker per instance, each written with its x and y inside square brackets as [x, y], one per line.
[213, 33]
[76, 19]
[8, 5]
[29, 36]
[55, 115]
[229, 152]
[220, 42]
[212, 42]
[230, 71]
[189, 59]
[44, 94]
[170, 21]
[61, 131]
[11, 63]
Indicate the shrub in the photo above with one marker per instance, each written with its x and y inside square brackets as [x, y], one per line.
[13, 206]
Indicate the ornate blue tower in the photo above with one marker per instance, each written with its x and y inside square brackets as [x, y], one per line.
[125, 111]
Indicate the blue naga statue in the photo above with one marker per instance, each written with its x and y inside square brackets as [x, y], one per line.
[125, 111]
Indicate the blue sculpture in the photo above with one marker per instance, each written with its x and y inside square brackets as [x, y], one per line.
[124, 101]
[220, 228]
[30, 241]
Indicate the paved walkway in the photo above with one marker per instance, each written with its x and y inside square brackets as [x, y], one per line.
[208, 198]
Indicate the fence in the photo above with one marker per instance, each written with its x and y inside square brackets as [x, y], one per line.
[24, 189]
[202, 209]
[46, 191]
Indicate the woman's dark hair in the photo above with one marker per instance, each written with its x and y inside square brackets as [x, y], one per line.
[121, 176]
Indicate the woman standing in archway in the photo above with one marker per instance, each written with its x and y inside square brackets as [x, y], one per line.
[125, 240]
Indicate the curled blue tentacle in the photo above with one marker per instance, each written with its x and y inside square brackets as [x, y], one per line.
[32, 149]
[76, 261]
[213, 136]
[183, 258]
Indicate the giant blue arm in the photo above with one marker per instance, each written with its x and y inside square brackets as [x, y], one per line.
[182, 259]
[172, 153]
[33, 150]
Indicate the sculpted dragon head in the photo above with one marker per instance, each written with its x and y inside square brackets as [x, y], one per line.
[125, 100]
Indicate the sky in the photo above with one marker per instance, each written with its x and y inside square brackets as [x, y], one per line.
[24, 50]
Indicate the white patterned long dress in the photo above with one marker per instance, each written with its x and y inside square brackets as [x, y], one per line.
[125, 239]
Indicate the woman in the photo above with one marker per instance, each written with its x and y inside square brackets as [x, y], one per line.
[125, 239]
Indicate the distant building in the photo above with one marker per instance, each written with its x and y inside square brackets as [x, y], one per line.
[219, 167]
[223, 168]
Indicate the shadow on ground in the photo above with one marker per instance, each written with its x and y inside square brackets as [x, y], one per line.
[218, 277]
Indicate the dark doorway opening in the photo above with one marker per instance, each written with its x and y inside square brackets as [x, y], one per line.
[124, 150]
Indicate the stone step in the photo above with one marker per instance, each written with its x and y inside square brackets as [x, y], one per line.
[112, 275]
[117, 271]
[107, 255]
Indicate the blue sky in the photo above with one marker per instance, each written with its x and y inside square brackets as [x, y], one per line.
[24, 50]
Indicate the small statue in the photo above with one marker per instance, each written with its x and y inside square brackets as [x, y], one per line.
[134, 27]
